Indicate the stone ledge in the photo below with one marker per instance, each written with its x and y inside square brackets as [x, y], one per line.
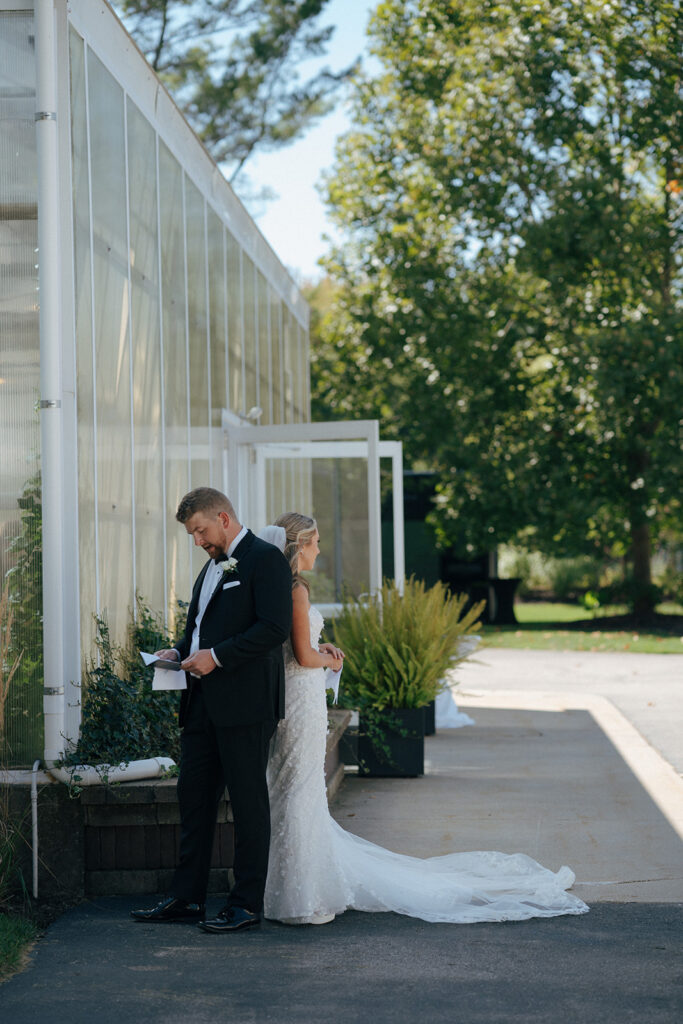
[143, 791]
[123, 883]
[338, 719]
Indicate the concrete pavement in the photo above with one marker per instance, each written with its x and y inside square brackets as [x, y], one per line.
[646, 688]
[566, 782]
[565, 777]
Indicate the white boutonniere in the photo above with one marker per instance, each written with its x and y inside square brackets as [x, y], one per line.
[228, 565]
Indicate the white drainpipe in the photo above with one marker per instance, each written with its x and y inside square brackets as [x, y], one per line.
[51, 427]
[34, 825]
[127, 771]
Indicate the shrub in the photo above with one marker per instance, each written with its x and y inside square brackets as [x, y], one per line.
[671, 585]
[399, 647]
[123, 719]
[570, 577]
[22, 739]
[629, 591]
[10, 828]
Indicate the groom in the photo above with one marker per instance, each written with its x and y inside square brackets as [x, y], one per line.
[239, 616]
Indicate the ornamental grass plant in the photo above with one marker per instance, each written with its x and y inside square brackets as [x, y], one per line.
[399, 646]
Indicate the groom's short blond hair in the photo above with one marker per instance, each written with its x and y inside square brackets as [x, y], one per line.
[204, 499]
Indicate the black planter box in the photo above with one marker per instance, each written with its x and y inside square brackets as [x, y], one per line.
[430, 718]
[398, 747]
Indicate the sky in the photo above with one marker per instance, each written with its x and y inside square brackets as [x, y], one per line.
[294, 223]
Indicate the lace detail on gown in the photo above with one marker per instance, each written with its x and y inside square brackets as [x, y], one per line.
[316, 867]
[304, 878]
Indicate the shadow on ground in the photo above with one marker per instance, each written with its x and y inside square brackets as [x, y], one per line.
[620, 963]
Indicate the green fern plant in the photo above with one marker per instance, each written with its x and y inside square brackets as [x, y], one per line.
[399, 646]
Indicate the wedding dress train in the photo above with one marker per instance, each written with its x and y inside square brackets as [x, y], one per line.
[317, 869]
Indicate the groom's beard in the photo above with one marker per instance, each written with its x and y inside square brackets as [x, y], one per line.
[217, 554]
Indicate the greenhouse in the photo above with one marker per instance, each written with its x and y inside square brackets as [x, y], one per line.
[150, 341]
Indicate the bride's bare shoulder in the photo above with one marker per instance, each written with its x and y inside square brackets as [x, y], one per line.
[300, 596]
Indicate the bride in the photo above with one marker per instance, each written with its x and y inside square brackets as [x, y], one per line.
[316, 869]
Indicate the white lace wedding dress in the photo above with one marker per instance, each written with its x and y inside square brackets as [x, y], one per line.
[316, 868]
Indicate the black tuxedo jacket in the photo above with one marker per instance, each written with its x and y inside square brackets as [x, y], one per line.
[247, 619]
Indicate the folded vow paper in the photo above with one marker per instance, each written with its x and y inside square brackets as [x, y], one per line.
[167, 674]
[332, 681]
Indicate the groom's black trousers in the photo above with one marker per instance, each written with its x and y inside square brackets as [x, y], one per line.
[212, 758]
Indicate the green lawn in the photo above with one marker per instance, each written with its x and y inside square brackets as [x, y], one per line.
[16, 936]
[540, 628]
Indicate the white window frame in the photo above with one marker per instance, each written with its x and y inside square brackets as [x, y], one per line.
[247, 448]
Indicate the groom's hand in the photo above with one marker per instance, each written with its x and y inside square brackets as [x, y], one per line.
[200, 663]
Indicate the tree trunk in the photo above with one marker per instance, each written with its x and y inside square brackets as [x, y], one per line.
[644, 598]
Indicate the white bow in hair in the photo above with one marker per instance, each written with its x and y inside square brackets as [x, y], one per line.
[275, 535]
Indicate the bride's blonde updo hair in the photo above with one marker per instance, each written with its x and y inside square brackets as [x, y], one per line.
[299, 529]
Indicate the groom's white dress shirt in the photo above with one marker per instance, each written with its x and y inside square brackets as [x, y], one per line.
[209, 584]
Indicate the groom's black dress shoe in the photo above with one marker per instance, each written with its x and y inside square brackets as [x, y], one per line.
[171, 909]
[231, 919]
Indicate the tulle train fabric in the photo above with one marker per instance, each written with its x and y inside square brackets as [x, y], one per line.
[316, 867]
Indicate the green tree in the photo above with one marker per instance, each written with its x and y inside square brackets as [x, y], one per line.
[510, 274]
[232, 66]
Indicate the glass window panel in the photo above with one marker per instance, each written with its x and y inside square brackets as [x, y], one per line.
[146, 354]
[298, 371]
[265, 397]
[217, 316]
[335, 492]
[85, 399]
[250, 336]
[276, 355]
[112, 352]
[218, 340]
[235, 325]
[288, 353]
[197, 311]
[21, 719]
[305, 375]
[340, 503]
[172, 230]
[200, 442]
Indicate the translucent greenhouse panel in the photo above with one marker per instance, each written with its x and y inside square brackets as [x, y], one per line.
[276, 354]
[112, 346]
[198, 340]
[218, 331]
[265, 389]
[306, 375]
[288, 364]
[85, 396]
[146, 353]
[251, 397]
[21, 706]
[300, 374]
[175, 359]
[235, 326]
